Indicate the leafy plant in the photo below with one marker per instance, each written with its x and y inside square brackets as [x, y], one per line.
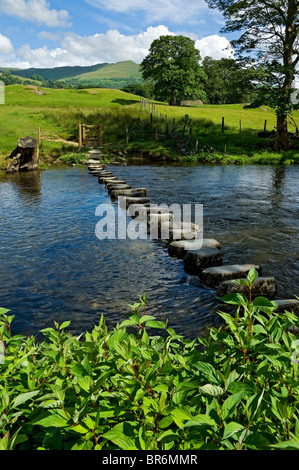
[133, 389]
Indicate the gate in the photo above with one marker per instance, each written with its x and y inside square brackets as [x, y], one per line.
[90, 135]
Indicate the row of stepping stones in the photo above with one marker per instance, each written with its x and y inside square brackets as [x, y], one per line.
[202, 258]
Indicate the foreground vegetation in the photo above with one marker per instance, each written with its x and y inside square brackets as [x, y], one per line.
[131, 390]
[58, 112]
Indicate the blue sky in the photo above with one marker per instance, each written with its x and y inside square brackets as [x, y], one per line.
[51, 33]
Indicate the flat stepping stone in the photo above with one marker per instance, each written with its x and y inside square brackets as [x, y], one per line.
[114, 183]
[213, 276]
[262, 286]
[135, 200]
[92, 161]
[195, 261]
[178, 248]
[181, 233]
[117, 187]
[129, 192]
[157, 218]
[105, 173]
[289, 305]
[106, 179]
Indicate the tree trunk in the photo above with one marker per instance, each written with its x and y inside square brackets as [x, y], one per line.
[282, 140]
[25, 156]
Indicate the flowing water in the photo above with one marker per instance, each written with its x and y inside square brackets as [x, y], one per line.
[54, 268]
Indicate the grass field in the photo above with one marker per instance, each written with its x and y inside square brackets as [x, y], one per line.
[58, 112]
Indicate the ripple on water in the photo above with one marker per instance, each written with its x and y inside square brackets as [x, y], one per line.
[54, 268]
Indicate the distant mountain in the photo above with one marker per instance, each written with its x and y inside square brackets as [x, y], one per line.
[105, 75]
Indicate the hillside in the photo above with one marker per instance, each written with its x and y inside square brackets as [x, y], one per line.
[104, 75]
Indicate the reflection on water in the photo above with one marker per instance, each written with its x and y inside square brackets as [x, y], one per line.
[52, 266]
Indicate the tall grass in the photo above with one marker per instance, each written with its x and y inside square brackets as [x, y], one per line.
[58, 112]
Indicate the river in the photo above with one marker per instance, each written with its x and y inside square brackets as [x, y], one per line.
[54, 268]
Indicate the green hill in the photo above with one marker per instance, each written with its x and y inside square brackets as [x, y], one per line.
[104, 75]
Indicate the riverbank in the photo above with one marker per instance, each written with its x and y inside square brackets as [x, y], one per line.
[225, 134]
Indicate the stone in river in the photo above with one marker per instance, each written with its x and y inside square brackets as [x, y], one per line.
[262, 286]
[195, 261]
[214, 275]
[179, 247]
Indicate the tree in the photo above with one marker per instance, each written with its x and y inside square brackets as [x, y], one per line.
[269, 40]
[228, 82]
[173, 66]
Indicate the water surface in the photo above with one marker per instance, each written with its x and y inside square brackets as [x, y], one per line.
[53, 267]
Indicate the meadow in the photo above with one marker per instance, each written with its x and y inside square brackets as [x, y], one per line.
[58, 112]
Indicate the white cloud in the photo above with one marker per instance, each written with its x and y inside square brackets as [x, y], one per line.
[214, 46]
[6, 46]
[109, 47]
[37, 11]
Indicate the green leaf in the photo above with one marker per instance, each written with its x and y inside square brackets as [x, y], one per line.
[230, 404]
[210, 389]
[209, 372]
[241, 282]
[230, 321]
[252, 275]
[200, 420]
[56, 419]
[24, 397]
[155, 324]
[122, 435]
[231, 428]
[168, 436]
[3, 311]
[64, 325]
[263, 304]
[291, 445]
[235, 299]
[145, 318]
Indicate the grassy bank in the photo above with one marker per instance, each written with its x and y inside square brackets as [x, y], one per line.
[58, 112]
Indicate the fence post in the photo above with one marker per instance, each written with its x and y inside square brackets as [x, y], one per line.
[80, 135]
[222, 127]
[240, 126]
[38, 135]
[100, 138]
[127, 135]
[265, 126]
[84, 133]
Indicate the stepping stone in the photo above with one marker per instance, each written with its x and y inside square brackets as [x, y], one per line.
[93, 162]
[195, 261]
[139, 210]
[135, 200]
[262, 286]
[178, 248]
[105, 173]
[114, 183]
[95, 168]
[213, 276]
[157, 219]
[129, 192]
[290, 305]
[94, 153]
[117, 187]
[106, 179]
[182, 234]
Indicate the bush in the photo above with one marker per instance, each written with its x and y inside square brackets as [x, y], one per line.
[130, 389]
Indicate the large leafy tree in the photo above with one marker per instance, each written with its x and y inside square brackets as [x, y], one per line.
[269, 39]
[228, 82]
[173, 66]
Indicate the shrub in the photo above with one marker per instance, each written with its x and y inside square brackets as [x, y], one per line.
[131, 389]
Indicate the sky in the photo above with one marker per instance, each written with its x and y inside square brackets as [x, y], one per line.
[56, 33]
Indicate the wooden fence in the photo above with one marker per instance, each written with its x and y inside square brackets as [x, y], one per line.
[90, 135]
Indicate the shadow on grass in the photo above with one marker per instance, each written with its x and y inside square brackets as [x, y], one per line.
[124, 102]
